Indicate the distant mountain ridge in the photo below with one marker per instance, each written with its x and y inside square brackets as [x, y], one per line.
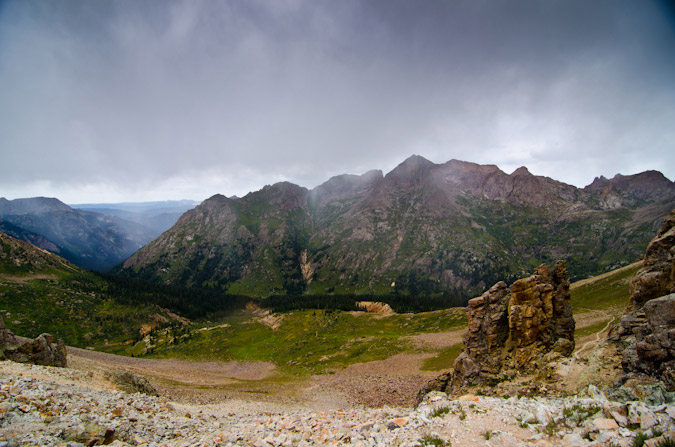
[155, 216]
[421, 228]
[87, 239]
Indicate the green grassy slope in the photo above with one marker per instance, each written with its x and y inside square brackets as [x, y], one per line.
[307, 341]
[40, 292]
[608, 291]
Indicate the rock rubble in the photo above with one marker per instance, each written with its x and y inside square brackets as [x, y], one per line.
[56, 407]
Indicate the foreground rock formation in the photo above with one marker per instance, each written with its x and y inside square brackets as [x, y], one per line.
[646, 334]
[513, 331]
[40, 351]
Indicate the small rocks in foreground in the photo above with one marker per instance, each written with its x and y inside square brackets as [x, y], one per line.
[56, 407]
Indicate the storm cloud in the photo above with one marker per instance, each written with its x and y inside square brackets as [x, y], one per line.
[125, 100]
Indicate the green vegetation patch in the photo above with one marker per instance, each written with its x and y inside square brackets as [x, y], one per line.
[590, 330]
[68, 308]
[607, 291]
[310, 341]
[445, 359]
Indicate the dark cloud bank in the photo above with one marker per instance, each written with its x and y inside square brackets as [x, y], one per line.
[126, 100]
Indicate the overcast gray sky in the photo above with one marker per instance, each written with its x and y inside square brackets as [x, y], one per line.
[106, 101]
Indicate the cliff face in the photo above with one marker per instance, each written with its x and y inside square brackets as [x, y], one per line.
[657, 276]
[646, 334]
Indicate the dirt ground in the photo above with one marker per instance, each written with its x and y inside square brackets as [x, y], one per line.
[394, 381]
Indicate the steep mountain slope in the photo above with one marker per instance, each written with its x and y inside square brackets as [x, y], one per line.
[422, 228]
[89, 240]
[20, 258]
[42, 292]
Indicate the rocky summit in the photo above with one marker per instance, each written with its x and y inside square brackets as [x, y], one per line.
[421, 229]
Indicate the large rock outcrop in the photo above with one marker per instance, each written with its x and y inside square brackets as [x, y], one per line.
[645, 335]
[513, 331]
[656, 278]
[40, 351]
[540, 317]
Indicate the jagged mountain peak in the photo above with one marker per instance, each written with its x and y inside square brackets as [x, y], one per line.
[287, 194]
[457, 225]
[631, 189]
[470, 167]
[216, 201]
[349, 181]
[521, 171]
[410, 166]
[341, 185]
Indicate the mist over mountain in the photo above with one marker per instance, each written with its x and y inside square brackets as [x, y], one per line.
[423, 228]
[87, 239]
[155, 216]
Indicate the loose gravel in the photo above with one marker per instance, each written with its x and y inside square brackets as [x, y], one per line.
[47, 406]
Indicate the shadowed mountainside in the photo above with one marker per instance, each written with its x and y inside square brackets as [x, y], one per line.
[90, 240]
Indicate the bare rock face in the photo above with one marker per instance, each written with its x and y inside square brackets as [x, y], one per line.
[40, 351]
[540, 316]
[645, 336]
[657, 276]
[487, 332]
[655, 341]
[513, 331]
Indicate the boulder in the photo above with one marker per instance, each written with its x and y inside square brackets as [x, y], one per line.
[131, 383]
[40, 351]
[8, 341]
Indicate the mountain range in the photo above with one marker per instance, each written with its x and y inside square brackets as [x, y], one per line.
[92, 236]
[87, 239]
[423, 228]
[155, 216]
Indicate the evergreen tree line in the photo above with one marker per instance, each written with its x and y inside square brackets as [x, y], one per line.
[193, 303]
[399, 303]
[196, 303]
